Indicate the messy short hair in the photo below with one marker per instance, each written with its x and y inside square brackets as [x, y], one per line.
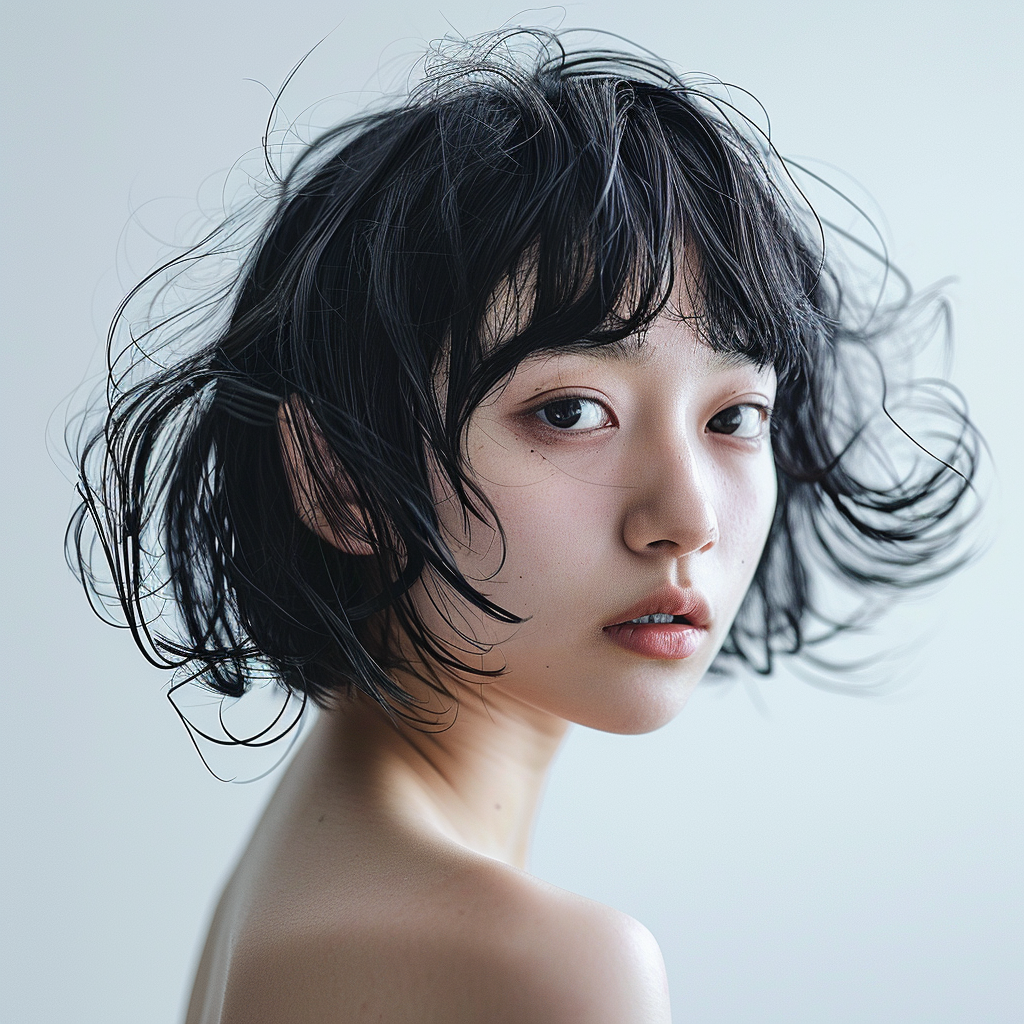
[582, 181]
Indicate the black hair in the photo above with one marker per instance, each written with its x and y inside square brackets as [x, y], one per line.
[579, 183]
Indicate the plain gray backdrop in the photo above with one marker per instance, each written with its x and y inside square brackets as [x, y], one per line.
[800, 856]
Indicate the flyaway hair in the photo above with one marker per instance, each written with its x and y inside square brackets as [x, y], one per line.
[523, 198]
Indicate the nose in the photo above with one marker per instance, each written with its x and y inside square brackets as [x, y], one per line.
[670, 510]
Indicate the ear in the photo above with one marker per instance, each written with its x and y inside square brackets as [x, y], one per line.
[296, 427]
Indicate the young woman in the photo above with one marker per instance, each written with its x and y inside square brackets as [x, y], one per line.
[535, 399]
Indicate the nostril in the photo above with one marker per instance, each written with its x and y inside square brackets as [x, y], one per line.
[665, 545]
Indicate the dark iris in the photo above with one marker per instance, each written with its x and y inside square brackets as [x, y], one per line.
[564, 413]
[727, 421]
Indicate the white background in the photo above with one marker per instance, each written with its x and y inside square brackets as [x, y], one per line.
[800, 856]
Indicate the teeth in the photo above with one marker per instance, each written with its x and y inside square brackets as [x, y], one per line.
[657, 617]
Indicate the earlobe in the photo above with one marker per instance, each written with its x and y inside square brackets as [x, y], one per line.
[297, 432]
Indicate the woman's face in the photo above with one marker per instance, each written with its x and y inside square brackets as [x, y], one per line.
[630, 481]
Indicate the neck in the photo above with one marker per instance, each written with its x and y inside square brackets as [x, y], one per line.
[477, 782]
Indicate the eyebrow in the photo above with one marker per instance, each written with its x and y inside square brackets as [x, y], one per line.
[632, 350]
[627, 350]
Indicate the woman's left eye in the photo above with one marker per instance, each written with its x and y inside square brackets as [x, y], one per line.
[575, 414]
[746, 421]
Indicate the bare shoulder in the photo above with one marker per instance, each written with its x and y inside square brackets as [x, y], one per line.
[483, 942]
[572, 959]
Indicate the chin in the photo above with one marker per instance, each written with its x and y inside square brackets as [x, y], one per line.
[628, 707]
[641, 717]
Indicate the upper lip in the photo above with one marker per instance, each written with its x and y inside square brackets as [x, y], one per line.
[669, 599]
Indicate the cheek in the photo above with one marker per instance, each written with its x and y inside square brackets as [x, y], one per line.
[540, 570]
[745, 517]
[549, 538]
[548, 506]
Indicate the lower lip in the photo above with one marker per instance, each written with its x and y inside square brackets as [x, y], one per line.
[668, 641]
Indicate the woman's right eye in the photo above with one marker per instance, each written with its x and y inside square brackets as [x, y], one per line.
[576, 414]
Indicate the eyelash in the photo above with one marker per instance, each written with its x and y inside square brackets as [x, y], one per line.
[568, 400]
[763, 412]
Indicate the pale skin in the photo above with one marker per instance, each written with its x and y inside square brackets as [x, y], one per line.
[387, 878]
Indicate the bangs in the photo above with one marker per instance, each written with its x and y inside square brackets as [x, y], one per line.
[612, 202]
